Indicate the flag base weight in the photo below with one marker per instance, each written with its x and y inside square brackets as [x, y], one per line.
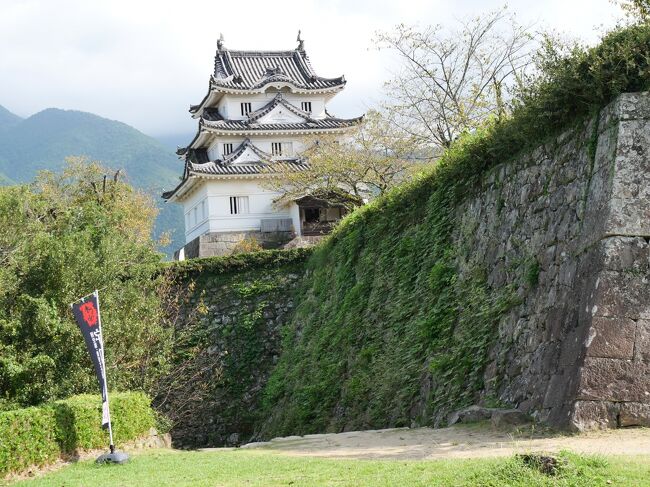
[113, 457]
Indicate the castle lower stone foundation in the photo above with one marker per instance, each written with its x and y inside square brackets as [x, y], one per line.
[574, 214]
[225, 243]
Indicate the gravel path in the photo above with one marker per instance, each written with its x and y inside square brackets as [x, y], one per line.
[461, 441]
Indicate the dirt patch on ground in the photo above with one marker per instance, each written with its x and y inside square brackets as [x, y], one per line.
[460, 441]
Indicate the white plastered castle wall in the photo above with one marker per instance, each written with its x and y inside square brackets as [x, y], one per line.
[214, 195]
[263, 142]
[230, 104]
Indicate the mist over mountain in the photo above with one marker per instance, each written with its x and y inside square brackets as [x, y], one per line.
[7, 119]
[173, 141]
[45, 139]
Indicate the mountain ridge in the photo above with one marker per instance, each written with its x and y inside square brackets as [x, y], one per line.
[8, 118]
[44, 140]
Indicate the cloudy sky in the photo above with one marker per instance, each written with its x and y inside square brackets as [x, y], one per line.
[144, 61]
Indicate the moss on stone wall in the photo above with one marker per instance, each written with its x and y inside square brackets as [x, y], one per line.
[227, 341]
[398, 317]
[387, 332]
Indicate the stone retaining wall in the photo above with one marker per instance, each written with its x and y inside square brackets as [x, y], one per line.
[573, 217]
[226, 243]
[227, 341]
[569, 221]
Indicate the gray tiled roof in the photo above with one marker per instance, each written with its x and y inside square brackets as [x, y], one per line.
[266, 168]
[326, 123]
[213, 120]
[249, 70]
[268, 164]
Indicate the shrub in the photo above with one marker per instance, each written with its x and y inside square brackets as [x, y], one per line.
[39, 435]
[266, 259]
[27, 437]
[247, 245]
[60, 238]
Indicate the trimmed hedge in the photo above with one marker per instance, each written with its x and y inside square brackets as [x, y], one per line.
[39, 435]
[265, 259]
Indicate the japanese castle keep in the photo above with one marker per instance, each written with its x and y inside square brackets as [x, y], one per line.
[259, 107]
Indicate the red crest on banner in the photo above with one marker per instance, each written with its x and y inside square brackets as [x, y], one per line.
[89, 313]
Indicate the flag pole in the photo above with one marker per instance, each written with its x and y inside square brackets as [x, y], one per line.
[101, 337]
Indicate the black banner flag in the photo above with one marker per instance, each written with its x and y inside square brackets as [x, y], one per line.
[86, 313]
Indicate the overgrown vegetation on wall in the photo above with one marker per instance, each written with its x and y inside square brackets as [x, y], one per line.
[388, 331]
[226, 342]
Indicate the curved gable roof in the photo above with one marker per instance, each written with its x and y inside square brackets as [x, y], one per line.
[230, 166]
[246, 70]
[278, 100]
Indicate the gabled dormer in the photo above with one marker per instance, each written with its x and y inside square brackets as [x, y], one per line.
[279, 110]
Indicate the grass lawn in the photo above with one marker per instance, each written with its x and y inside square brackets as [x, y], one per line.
[254, 468]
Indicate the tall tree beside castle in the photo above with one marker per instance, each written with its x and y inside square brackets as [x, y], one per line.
[260, 107]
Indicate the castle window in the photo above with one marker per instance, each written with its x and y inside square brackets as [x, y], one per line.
[245, 109]
[281, 148]
[306, 106]
[238, 205]
[227, 149]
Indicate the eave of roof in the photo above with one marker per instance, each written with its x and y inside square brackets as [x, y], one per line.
[229, 168]
[215, 123]
[282, 128]
[219, 126]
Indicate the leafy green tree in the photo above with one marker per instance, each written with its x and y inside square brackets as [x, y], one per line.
[372, 158]
[62, 237]
[636, 9]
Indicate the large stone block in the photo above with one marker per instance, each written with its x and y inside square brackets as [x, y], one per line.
[633, 106]
[630, 202]
[626, 254]
[558, 389]
[573, 347]
[642, 343]
[589, 415]
[629, 106]
[605, 379]
[622, 294]
[611, 338]
[634, 414]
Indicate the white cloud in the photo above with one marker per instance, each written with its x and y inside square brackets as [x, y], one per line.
[143, 61]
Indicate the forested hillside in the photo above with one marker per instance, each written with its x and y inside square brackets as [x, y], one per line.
[45, 139]
[8, 119]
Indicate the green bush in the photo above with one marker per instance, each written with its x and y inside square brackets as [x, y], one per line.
[27, 437]
[59, 240]
[39, 435]
[265, 259]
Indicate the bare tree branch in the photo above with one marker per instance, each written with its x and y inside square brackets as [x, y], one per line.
[450, 81]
